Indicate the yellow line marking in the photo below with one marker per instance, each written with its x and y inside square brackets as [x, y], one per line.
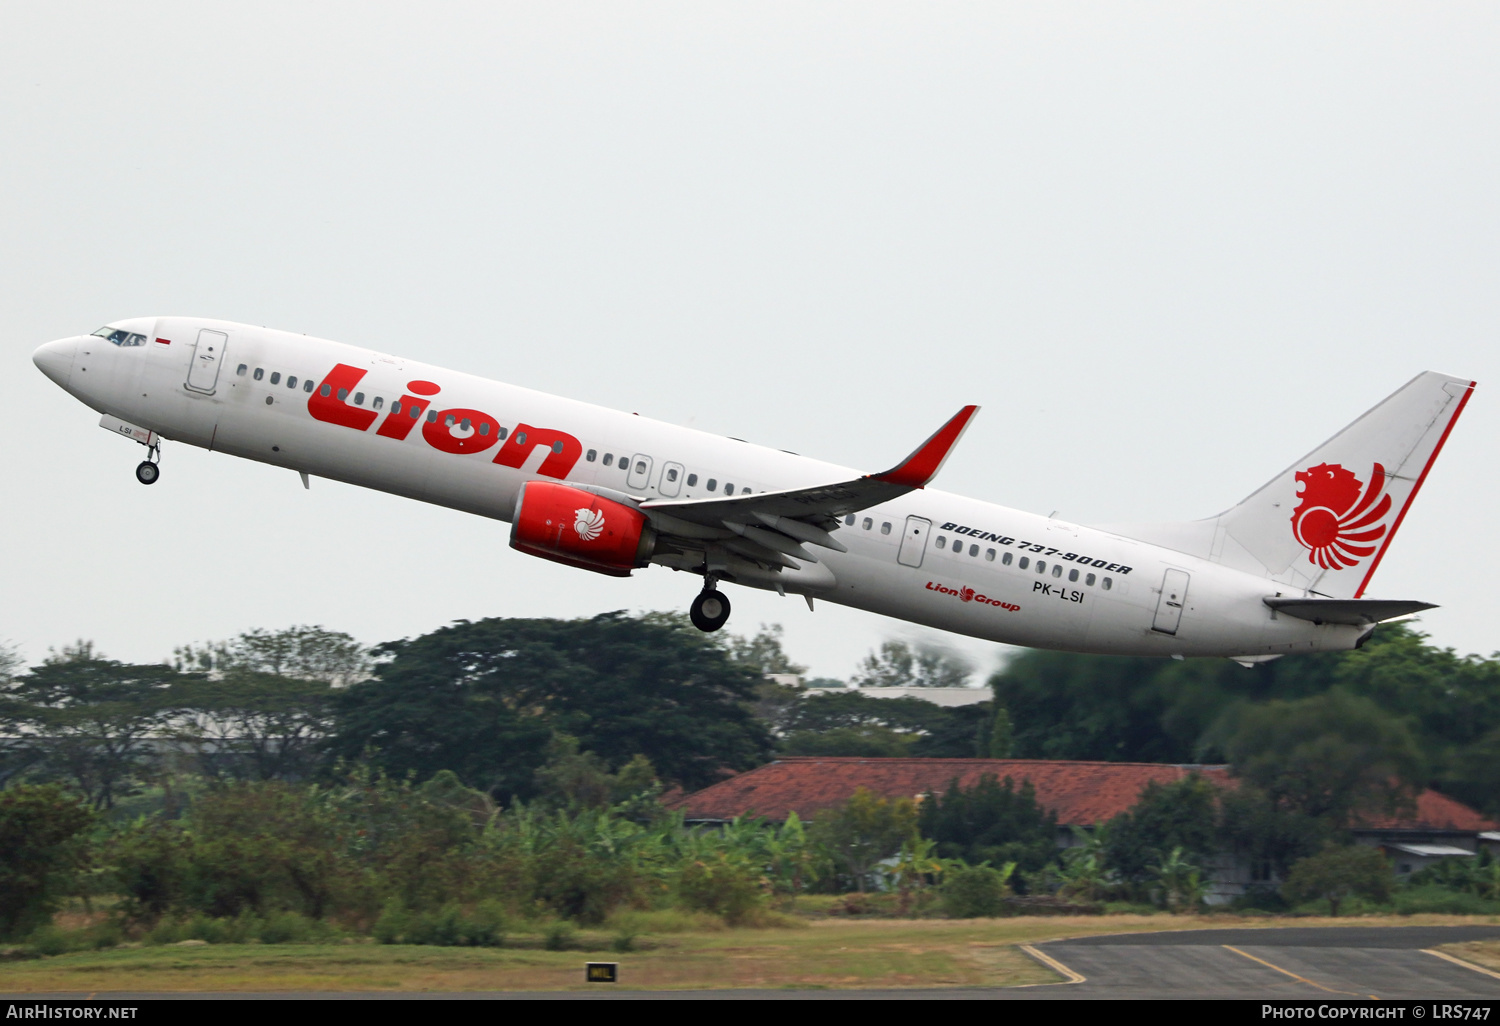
[1300, 979]
[1052, 963]
[1458, 961]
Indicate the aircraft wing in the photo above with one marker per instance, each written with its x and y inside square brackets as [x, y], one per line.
[780, 521]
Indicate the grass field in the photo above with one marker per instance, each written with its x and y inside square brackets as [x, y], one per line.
[826, 954]
[1485, 953]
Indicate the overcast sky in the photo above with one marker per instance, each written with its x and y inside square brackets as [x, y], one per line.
[1168, 248]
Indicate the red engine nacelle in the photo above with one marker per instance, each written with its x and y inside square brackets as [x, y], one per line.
[575, 527]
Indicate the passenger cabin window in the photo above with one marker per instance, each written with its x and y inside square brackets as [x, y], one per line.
[989, 555]
[378, 403]
[1005, 559]
[325, 391]
[609, 459]
[868, 523]
[260, 372]
[241, 369]
[307, 386]
[343, 394]
[849, 520]
[291, 381]
[431, 415]
[359, 397]
[692, 480]
[728, 488]
[712, 484]
[1107, 583]
[1089, 580]
[973, 550]
[1072, 575]
[1024, 563]
[671, 475]
[1041, 566]
[885, 528]
[591, 454]
[484, 429]
[942, 542]
[276, 377]
[1056, 569]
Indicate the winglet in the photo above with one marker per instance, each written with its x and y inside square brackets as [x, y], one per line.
[922, 466]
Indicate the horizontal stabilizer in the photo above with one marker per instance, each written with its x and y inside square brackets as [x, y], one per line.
[1356, 612]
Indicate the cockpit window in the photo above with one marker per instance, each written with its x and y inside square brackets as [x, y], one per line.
[121, 337]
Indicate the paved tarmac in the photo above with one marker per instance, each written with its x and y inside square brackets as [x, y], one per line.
[1293, 963]
[1344, 963]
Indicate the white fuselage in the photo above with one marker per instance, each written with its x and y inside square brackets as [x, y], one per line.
[963, 581]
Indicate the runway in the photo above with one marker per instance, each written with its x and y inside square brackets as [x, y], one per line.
[1342, 963]
[1293, 963]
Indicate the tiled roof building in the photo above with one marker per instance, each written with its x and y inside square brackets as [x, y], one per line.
[1080, 793]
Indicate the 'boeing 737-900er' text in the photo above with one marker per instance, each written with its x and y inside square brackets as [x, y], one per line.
[1284, 571]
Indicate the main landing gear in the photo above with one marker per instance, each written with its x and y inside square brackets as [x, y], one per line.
[710, 610]
[149, 469]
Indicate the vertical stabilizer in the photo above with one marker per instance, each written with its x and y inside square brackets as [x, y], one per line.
[1325, 523]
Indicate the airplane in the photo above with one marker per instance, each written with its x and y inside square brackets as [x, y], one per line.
[1283, 571]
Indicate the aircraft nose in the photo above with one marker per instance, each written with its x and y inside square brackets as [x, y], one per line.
[55, 359]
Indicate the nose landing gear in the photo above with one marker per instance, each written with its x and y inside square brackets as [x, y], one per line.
[710, 610]
[149, 469]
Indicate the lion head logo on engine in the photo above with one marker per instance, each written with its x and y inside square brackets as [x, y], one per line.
[1338, 518]
[589, 523]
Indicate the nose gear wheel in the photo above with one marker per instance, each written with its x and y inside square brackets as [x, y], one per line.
[149, 469]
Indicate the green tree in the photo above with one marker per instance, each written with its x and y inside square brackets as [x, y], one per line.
[1180, 882]
[89, 719]
[1267, 835]
[898, 665]
[998, 738]
[253, 724]
[1181, 815]
[870, 741]
[794, 860]
[863, 831]
[575, 779]
[1331, 756]
[305, 652]
[852, 723]
[1084, 869]
[485, 698]
[43, 845]
[1337, 873]
[10, 662]
[974, 892]
[915, 863]
[1069, 706]
[991, 821]
[763, 653]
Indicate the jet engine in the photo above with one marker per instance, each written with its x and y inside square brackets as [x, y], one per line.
[570, 526]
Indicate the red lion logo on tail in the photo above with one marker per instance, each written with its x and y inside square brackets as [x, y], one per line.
[1337, 519]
